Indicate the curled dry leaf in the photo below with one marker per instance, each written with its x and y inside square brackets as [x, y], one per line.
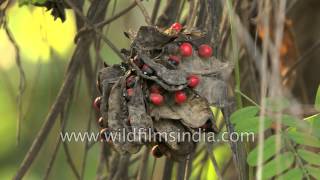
[149, 37]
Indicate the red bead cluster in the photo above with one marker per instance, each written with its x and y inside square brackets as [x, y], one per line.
[185, 50]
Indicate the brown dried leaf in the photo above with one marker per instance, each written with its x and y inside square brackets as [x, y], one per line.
[169, 131]
[149, 37]
[214, 90]
[170, 77]
[194, 112]
[213, 74]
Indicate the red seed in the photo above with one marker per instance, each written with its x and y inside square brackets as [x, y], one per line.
[155, 88]
[104, 133]
[205, 51]
[128, 121]
[193, 81]
[180, 97]
[130, 92]
[175, 59]
[156, 152]
[138, 62]
[100, 122]
[156, 99]
[130, 81]
[97, 103]
[176, 26]
[186, 49]
[145, 68]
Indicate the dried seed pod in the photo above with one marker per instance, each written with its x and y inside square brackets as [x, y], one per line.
[133, 103]
[139, 119]
[170, 77]
[116, 120]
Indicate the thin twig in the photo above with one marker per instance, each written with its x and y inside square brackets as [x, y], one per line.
[248, 98]
[89, 25]
[169, 14]
[65, 90]
[213, 160]
[143, 165]
[301, 59]
[144, 12]
[187, 167]
[226, 166]
[53, 158]
[63, 121]
[70, 160]
[101, 164]
[191, 14]
[153, 167]
[264, 78]
[116, 16]
[155, 11]
[22, 79]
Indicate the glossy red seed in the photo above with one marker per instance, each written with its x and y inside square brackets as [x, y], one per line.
[156, 152]
[155, 88]
[186, 49]
[156, 99]
[176, 26]
[130, 92]
[100, 122]
[104, 133]
[130, 81]
[193, 81]
[180, 97]
[175, 59]
[146, 69]
[138, 62]
[205, 51]
[129, 121]
[97, 103]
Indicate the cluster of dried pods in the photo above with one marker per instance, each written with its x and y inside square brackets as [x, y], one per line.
[167, 85]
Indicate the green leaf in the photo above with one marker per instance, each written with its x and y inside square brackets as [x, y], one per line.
[277, 165]
[244, 114]
[317, 101]
[39, 1]
[269, 150]
[315, 124]
[252, 125]
[294, 122]
[293, 174]
[304, 139]
[310, 157]
[315, 172]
